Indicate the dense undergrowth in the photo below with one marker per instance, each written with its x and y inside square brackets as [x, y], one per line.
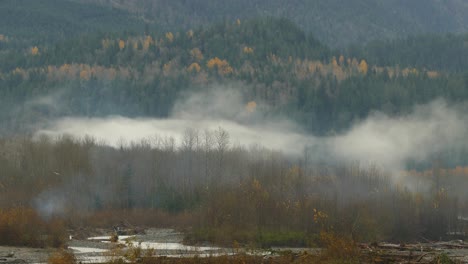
[22, 226]
[223, 195]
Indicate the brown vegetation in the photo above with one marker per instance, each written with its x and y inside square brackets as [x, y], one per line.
[240, 259]
[62, 257]
[21, 226]
[219, 193]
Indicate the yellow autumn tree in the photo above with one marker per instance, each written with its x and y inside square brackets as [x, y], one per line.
[2, 37]
[190, 33]
[85, 75]
[135, 45]
[167, 69]
[196, 54]
[20, 71]
[363, 67]
[341, 60]
[68, 71]
[170, 36]
[338, 72]
[238, 22]
[222, 66]
[248, 50]
[432, 74]
[194, 67]
[147, 43]
[121, 44]
[106, 43]
[251, 106]
[34, 51]
[213, 62]
[334, 62]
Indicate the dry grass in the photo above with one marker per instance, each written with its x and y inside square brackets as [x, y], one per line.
[22, 226]
[240, 259]
[288, 257]
[62, 257]
[339, 249]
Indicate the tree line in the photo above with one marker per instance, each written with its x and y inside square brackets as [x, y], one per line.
[225, 192]
[271, 61]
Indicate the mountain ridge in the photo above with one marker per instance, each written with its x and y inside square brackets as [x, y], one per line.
[334, 22]
[53, 19]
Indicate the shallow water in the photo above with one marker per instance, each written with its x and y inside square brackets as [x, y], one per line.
[107, 238]
[164, 242]
[87, 250]
[170, 246]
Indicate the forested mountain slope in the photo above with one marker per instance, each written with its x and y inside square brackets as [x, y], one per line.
[434, 52]
[270, 61]
[52, 19]
[366, 142]
[335, 22]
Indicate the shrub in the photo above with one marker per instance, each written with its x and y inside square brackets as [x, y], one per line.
[62, 257]
[340, 249]
[21, 226]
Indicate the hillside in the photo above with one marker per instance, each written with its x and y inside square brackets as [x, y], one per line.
[335, 22]
[270, 61]
[240, 122]
[47, 20]
[432, 52]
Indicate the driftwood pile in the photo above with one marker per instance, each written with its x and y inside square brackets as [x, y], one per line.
[455, 251]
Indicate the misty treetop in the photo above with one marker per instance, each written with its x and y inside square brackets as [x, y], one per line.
[272, 60]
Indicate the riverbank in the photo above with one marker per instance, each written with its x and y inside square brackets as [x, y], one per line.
[166, 246]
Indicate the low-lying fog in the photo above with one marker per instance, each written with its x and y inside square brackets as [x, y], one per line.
[387, 141]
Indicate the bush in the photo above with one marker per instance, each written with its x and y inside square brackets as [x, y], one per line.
[339, 249]
[443, 259]
[277, 239]
[21, 226]
[62, 257]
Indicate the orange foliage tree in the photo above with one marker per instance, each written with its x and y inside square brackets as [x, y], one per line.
[222, 66]
[363, 67]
